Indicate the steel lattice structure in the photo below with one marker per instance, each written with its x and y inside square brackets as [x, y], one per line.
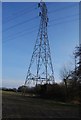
[42, 72]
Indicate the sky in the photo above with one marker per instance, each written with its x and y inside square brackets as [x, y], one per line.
[20, 27]
[0, 44]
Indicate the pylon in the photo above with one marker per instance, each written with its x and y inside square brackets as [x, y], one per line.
[40, 70]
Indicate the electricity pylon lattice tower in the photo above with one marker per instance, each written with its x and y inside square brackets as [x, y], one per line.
[40, 70]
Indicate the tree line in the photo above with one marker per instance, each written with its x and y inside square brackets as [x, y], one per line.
[68, 90]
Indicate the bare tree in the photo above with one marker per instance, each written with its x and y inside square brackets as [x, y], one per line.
[65, 76]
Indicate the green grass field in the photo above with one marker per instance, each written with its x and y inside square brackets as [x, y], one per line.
[14, 105]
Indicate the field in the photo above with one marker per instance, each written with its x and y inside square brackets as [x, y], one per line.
[14, 105]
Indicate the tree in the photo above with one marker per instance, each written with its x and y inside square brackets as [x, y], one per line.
[65, 76]
[78, 71]
[77, 55]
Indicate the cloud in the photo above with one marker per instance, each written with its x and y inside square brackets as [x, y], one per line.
[12, 83]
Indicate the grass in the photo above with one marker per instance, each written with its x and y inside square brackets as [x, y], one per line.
[17, 106]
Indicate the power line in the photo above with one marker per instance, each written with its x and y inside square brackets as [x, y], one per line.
[60, 9]
[19, 12]
[37, 17]
[20, 23]
[63, 22]
[15, 17]
[25, 33]
[64, 17]
[34, 5]
[31, 19]
[25, 12]
[20, 32]
[53, 20]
